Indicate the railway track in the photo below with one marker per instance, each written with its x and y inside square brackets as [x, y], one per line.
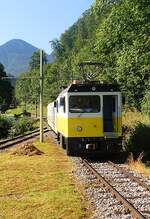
[136, 179]
[114, 192]
[4, 144]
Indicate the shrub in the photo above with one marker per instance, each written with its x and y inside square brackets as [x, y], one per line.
[136, 129]
[138, 140]
[5, 126]
[21, 126]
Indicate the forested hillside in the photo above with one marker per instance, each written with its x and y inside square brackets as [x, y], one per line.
[115, 33]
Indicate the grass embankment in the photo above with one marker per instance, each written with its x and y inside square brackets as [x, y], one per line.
[39, 186]
[30, 108]
[12, 112]
[131, 121]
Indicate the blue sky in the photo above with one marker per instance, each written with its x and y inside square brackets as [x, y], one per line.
[38, 21]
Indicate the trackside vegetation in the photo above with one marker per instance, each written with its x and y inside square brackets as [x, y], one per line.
[13, 127]
[30, 108]
[5, 126]
[39, 186]
[137, 165]
[136, 129]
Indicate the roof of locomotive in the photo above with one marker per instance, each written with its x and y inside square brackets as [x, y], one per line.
[91, 87]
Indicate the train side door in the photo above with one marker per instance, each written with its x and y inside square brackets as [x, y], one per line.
[110, 113]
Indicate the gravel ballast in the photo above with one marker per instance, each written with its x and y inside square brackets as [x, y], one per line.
[103, 203]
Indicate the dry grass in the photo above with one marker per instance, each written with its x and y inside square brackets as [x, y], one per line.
[39, 186]
[132, 117]
[137, 165]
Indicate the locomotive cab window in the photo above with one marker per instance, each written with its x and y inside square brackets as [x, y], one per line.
[84, 104]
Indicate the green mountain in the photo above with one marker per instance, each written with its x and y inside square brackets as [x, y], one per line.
[15, 56]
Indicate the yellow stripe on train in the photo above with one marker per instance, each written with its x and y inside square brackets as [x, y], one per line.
[84, 127]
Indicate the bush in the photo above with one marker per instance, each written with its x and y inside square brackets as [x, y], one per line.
[138, 139]
[21, 126]
[5, 126]
[136, 129]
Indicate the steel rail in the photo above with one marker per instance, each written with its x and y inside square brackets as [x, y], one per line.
[133, 211]
[10, 142]
[18, 136]
[129, 175]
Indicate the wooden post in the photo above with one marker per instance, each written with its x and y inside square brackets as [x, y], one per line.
[41, 96]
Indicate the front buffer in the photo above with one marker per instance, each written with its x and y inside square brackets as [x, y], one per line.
[86, 145]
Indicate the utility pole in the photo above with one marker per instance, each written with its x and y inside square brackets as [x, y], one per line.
[36, 108]
[41, 96]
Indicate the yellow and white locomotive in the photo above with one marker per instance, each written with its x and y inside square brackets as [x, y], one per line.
[87, 117]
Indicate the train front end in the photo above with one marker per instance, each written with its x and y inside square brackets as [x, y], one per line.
[91, 120]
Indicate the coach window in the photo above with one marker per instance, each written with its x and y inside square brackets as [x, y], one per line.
[84, 104]
[63, 103]
[57, 105]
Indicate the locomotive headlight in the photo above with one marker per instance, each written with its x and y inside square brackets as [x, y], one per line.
[79, 129]
[93, 88]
